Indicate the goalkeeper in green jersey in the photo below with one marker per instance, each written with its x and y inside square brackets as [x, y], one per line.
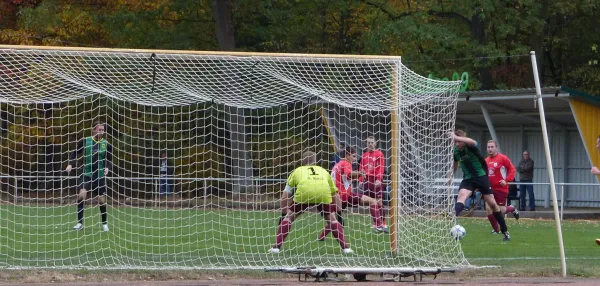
[310, 185]
[97, 155]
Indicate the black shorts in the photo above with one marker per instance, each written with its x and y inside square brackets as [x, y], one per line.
[93, 184]
[479, 183]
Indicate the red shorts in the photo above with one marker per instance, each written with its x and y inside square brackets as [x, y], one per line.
[500, 197]
[323, 208]
[372, 190]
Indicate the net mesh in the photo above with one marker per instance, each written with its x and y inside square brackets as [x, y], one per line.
[202, 146]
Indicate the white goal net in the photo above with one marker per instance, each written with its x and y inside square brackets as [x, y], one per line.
[201, 145]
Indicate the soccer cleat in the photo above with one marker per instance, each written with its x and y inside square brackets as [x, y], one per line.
[381, 229]
[516, 214]
[495, 232]
[506, 236]
[347, 250]
[105, 227]
[78, 226]
[320, 239]
[598, 241]
[274, 250]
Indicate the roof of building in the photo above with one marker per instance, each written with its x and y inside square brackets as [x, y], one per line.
[513, 108]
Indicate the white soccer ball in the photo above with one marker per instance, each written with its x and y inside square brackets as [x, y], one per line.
[458, 232]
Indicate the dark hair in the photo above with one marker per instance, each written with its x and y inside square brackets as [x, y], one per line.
[97, 123]
[347, 151]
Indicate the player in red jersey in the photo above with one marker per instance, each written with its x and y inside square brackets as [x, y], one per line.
[342, 176]
[500, 172]
[372, 164]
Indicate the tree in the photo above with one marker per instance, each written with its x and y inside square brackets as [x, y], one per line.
[224, 24]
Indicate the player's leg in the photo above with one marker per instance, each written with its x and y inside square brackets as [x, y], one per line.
[100, 185]
[286, 224]
[491, 203]
[465, 190]
[84, 186]
[375, 211]
[337, 230]
[492, 218]
[338, 216]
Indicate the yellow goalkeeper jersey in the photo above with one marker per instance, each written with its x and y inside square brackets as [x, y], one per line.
[313, 185]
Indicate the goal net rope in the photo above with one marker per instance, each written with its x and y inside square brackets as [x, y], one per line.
[202, 145]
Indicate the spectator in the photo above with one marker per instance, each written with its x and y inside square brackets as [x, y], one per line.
[166, 176]
[525, 170]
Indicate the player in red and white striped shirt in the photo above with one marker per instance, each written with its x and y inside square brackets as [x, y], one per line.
[372, 164]
[500, 172]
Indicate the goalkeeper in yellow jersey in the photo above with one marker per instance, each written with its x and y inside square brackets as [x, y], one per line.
[97, 163]
[311, 185]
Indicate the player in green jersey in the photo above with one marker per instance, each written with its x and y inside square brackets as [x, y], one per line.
[97, 163]
[474, 168]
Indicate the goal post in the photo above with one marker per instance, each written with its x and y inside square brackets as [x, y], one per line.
[202, 144]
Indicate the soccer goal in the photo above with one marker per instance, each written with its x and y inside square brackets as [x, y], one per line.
[202, 144]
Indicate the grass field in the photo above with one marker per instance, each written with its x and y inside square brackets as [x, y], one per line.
[157, 238]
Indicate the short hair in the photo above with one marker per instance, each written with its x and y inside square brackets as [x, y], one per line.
[371, 137]
[347, 151]
[309, 158]
[96, 124]
[493, 141]
[460, 132]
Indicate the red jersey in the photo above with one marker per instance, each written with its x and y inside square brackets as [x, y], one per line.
[500, 168]
[341, 176]
[373, 164]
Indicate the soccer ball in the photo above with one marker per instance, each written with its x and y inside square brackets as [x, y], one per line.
[458, 232]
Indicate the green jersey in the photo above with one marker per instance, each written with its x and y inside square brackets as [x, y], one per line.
[471, 162]
[313, 185]
[96, 156]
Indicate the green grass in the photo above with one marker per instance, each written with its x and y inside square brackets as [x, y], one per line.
[32, 236]
[533, 248]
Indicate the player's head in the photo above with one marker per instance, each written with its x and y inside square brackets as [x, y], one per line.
[309, 158]
[371, 143]
[342, 146]
[163, 155]
[349, 154]
[492, 147]
[98, 130]
[461, 133]
[525, 155]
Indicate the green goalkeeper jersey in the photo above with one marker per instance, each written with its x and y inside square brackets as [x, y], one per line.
[313, 185]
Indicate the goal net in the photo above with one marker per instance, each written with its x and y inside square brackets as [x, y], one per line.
[201, 146]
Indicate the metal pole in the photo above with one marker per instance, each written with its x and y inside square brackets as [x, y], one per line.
[490, 125]
[562, 201]
[540, 103]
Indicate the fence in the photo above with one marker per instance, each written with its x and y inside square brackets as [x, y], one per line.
[155, 181]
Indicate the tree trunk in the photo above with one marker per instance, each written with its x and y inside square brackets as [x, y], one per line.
[224, 24]
[478, 32]
[537, 40]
